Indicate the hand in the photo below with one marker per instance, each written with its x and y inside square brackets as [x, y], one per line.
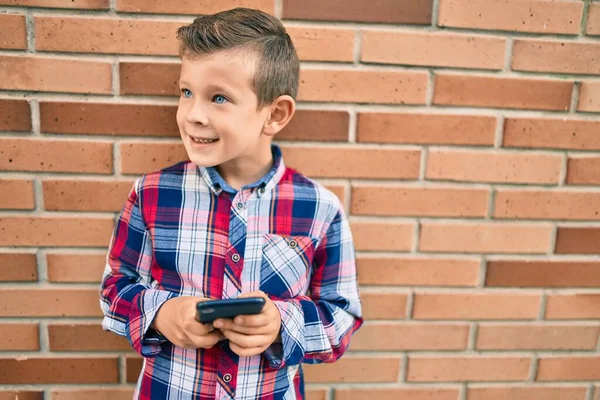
[176, 319]
[250, 335]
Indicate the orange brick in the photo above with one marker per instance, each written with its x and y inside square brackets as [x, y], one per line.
[567, 368]
[417, 271]
[354, 369]
[410, 337]
[84, 337]
[191, 7]
[109, 119]
[539, 16]
[88, 195]
[19, 337]
[20, 267]
[21, 194]
[388, 11]
[316, 394]
[21, 395]
[83, 4]
[593, 22]
[572, 240]
[397, 394]
[495, 167]
[66, 267]
[573, 306]
[106, 35]
[582, 170]
[485, 237]
[438, 49]
[59, 370]
[533, 273]
[55, 156]
[49, 303]
[13, 32]
[537, 337]
[556, 56]
[133, 367]
[382, 236]
[15, 115]
[53, 74]
[160, 79]
[317, 125]
[92, 394]
[455, 89]
[552, 133]
[364, 86]
[472, 130]
[419, 201]
[476, 306]
[547, 204]
[350, 162]
[323, 44]
[384, 305]
[470, 369]
[589, 96]
[138, 158]
[55, 231]
[527, 393]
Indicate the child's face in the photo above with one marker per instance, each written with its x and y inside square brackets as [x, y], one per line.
[218, 107]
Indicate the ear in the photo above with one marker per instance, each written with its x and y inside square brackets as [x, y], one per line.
[282, 111]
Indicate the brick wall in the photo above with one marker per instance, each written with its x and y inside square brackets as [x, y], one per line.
[462, 135]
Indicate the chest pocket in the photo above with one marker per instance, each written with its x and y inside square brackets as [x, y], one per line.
[286, 265]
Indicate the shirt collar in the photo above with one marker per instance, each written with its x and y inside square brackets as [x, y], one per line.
[217, 184]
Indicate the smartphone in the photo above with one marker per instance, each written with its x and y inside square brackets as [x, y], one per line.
[208, 311]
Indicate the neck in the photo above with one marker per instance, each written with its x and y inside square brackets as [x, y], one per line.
[244, 171]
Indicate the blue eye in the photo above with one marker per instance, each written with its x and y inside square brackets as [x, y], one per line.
[186, 93]
[219, 99]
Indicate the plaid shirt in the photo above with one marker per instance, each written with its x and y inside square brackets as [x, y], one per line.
[185, 232]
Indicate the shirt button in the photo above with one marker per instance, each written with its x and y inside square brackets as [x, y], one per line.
[235, 257]
[240, 206]
[261, 191]
[227, 378]
[293, 243]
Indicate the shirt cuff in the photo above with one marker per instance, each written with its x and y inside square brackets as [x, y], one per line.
[290, 350]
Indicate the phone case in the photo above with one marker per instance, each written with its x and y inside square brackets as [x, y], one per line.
[208, 311]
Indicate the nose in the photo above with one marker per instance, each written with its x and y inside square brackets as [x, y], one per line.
[197, 114]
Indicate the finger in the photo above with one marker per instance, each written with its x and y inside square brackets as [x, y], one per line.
[242, 352]
[247, 341]
[207, 341]
[256, 293]
[198, 329]
[252, 321]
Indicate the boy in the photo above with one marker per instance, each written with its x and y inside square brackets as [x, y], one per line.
[231, 222]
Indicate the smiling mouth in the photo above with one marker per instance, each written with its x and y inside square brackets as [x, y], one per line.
[203, 141]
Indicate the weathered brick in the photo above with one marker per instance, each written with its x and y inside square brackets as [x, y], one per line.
[568, 368]
[532, 273]
[583, 170]
[556, 56]
[21, 194]
[59, 370]
[55, 156]
[92, 394]
[18, 267]
[387, 11]
[49, 303]
[552, 133]
[538, 16]
[317, 125]
[417, 271]
[474, 130]
[437, 393]
[494, 167]
[88, 195]
[438, 49]
[537, 337]
[382, 236]
[354, 369]
[593, 21]
[84, 337]
[476, 306]
[573, 306]
[589, 96]
[456, 89]
[13, 32]
[191, 7]
[67, 267]
[547, 204]
[19, 337]
[575, 240]
[467, 368]
[55, 74]
[15, 115]
[383, 305]
[476, 237]
[323, 44]
[21, 395]
[364, 86]
[160, 79]
[527, 393]
[82, 4]
[439, 201]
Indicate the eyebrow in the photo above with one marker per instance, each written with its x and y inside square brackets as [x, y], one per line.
[211, 86]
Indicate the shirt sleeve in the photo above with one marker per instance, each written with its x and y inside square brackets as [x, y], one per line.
[128, 301]
[317, 328]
